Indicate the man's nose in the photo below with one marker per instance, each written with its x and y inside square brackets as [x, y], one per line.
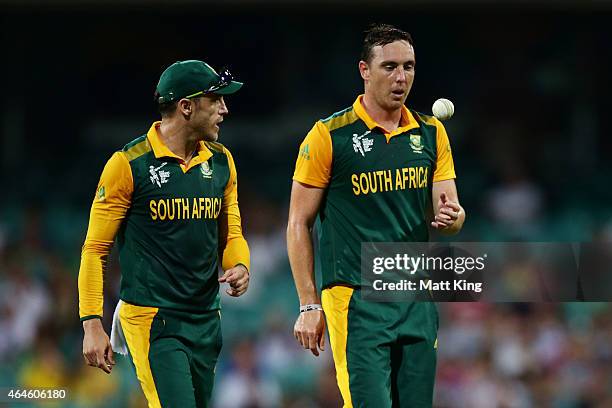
[400, 75]
[223, 108]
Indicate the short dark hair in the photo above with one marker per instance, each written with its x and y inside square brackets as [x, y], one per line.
[165, 109]
[381, 34]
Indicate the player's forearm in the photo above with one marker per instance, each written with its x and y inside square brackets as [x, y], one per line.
[91, 278]
[301, 259]
[236, 251]
[233, 247]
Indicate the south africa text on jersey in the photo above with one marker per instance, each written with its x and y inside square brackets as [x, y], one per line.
[185, 208]
[384, 180]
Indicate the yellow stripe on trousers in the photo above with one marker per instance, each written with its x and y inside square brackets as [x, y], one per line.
[335, 304]
[136, 323]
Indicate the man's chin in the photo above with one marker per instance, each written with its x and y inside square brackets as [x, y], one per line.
[394, 104]
[211, 137]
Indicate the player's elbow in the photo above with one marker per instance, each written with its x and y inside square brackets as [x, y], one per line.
[297, 227]
[96, 247]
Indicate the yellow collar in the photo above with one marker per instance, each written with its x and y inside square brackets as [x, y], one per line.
[407, 120]
[161, 150]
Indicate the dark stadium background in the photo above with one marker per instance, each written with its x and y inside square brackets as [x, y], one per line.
[530, 137]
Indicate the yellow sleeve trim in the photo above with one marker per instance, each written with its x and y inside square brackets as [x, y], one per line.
[445, 168]
[232, 245]
[310, 181]
[313, 166]
[110, 205]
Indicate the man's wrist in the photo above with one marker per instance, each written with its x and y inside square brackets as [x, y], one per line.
[94, 321]
[90, 317]
[244, 266]
[310, 307]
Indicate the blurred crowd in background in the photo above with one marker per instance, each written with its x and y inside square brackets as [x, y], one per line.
[490, 355]
[529, 142]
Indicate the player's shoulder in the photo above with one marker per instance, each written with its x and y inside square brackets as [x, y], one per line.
[216, 147]
[136, 148]
[425, 119]
[219, 151]
[340, 119]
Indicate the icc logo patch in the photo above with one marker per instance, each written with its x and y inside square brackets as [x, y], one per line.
[159, 176]
[206, 170]
[362, 144]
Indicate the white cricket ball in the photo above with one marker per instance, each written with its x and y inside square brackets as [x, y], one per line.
[443, 109]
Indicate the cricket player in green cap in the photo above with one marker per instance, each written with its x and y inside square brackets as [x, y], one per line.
[169, 197]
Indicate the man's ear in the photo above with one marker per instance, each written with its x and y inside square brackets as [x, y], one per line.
[364, 70]
[185, 106]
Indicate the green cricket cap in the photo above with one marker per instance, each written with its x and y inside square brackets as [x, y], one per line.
[191, 78]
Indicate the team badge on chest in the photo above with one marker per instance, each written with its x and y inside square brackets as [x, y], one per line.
[416, 144]
[206, 170]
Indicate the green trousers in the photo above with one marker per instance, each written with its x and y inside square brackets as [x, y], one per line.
[384, 353]
[174, 354]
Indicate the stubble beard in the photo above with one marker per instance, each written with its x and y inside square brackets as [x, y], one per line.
[210, 137]
[209, 133]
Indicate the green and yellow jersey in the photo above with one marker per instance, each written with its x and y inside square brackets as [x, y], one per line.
[171, 221]
[378, 183]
